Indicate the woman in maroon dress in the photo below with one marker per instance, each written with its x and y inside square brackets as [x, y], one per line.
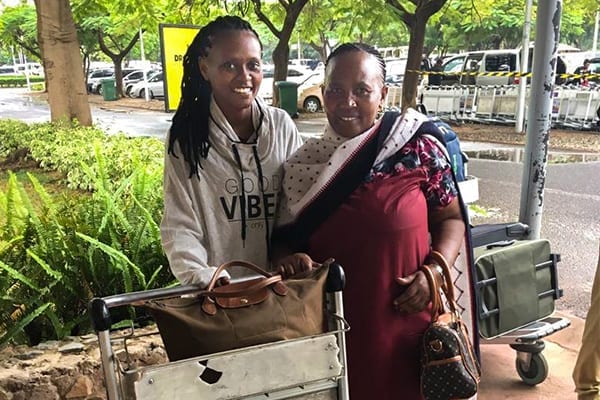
[378, 197]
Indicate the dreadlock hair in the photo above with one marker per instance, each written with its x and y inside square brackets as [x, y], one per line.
[348, 47]
[191, 120]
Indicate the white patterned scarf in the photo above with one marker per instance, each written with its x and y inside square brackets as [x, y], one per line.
[310, 170]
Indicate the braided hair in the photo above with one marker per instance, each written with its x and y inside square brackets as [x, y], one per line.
[349, 47]
[191, 120]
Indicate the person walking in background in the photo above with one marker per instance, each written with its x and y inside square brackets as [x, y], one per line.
[435, 79]
[582, 70]
[224, 156]
[586, 374]
[371, 197]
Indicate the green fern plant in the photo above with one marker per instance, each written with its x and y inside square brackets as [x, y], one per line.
[59, 251]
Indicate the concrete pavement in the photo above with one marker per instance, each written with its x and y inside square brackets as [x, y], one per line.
[500, 379]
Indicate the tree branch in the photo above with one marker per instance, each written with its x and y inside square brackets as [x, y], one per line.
[431, 7]
[285, 5]
[264, 19]
[103, 45]
[405, 16]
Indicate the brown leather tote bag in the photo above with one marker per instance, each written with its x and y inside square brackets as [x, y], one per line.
[248, 313]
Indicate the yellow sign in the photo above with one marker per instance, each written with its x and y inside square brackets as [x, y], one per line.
[174, 41]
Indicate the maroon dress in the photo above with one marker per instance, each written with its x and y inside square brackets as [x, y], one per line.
[379, 233]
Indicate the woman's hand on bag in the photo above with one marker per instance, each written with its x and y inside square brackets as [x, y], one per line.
[222, 281]
[416, 296]
[295, 264]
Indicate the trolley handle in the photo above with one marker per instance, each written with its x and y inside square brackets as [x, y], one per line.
[99, 308]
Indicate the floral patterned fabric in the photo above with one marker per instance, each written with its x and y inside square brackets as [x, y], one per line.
[421, 152]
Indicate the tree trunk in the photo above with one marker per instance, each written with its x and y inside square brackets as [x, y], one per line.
[323, 48]
[57, 37]
[281, 53]
[117, 58]
[416, 23]
[410, 83]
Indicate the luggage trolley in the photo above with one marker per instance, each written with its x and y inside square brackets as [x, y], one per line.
[312, 367]
[503, 257]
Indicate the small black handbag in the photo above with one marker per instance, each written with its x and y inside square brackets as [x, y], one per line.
[450, 369]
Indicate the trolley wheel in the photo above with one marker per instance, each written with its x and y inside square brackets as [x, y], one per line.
[537, 371]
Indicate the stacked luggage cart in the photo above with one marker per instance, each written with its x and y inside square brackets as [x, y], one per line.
[312, 367]
[574, 107]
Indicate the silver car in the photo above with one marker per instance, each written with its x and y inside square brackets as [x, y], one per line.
[134, 77]
[155, 87]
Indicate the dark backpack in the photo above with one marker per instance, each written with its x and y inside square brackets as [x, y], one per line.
[443, 133]
[458, 159]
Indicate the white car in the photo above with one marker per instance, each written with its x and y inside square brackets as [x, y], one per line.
[96, 76]
[155, 87]
[303, 77]
[8, 70]
[134, 77]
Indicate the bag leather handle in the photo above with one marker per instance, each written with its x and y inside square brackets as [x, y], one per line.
[434, 291]
[441, 260]
[238, 263]
[437, 303]
[255, 287]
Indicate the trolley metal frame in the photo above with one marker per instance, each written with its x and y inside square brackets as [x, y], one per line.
[527, 341]
[310, 367]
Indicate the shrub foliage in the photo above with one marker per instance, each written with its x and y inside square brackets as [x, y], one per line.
[99, 236]
[18, 80]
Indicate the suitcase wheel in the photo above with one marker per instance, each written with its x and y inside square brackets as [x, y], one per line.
[534, 373]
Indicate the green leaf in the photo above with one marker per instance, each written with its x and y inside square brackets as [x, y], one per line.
[119, 256]
[53, 273]
[13, 273]
[22, 323]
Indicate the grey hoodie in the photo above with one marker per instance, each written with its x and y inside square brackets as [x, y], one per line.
[207, 221]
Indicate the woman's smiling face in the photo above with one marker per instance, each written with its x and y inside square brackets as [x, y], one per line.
[353, 92]
[234, 69]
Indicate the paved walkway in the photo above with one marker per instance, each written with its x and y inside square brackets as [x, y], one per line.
[500, 379]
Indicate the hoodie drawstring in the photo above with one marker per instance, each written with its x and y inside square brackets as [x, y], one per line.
[261, 185]
[264, 200]
[236, 153]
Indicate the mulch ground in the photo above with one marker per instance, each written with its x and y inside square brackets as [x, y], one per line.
[560, 139]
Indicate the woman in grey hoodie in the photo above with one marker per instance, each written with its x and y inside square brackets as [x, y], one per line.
[224, 156]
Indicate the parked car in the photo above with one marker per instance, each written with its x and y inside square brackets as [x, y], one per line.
[155, 87]
[310, 99]
[94, 78]
[97, 87]
[469, 68]
[31, 68]
[133, 77]
[8, 70]
[395, 69]
[595, 68]
[302, 76]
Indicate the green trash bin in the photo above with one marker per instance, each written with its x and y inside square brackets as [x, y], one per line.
[288, 97]
[109, 89]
